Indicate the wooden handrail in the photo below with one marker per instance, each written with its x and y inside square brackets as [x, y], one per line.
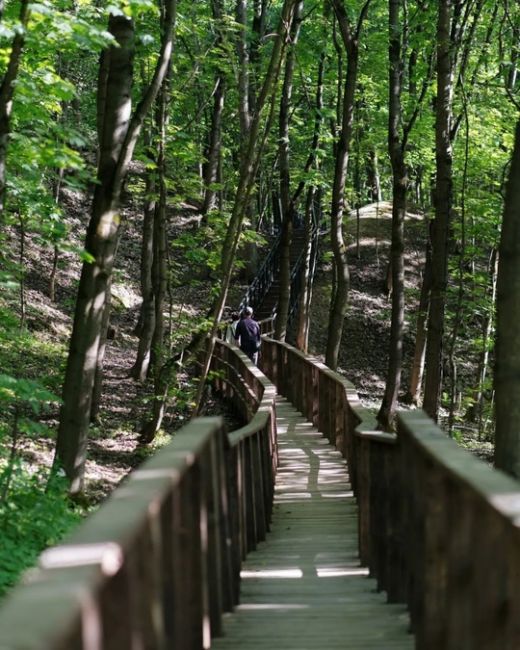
[445, 530]
[438, 528]
[160, 561]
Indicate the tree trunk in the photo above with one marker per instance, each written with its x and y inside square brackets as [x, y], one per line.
[302, 328]
[372, 168]
[211, 165]
[416, 373]
[399, 189]
[102, 345]
[118, 137]
[257, 34]
[340, 298]
[243, 72]
[95, 276]
[475, 411]
[146, 323]
[443, 207]
[248, 170]
[280, 328]
[159, 280]
[507, 370]
[7, 91]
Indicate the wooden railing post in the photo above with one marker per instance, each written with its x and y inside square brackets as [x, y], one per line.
[363, 499]
[214, 569]
[396, 578]
[258, 488]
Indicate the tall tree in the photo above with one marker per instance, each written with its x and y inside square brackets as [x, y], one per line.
[350, 36]
[7, 87]
[507, 369]
[288, 207]
[159, 270]
[398, 135]
[443, 207]
[213, 150]
[399, 188]
[302, 328]
[118, 133]
[248, 170]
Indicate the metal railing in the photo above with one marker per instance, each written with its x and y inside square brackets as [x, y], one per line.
[262, 281]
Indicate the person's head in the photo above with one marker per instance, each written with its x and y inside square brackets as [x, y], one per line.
[247, 313]
[234, 316]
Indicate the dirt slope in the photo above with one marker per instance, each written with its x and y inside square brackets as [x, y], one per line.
[363, 357]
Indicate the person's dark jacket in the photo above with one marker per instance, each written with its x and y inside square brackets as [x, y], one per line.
[248, 331]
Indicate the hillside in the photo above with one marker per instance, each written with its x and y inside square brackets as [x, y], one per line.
[364, 347]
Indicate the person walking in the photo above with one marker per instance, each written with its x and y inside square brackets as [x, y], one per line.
[232, 326]
[248, 332]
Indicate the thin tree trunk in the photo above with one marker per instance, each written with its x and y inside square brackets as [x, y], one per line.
[475, 411]
[159, 275]
[243, 72]
[102, 345]
[56, 253]
[280, 328]
[399, 189]
[459, 310]
[416, 374]
[302, 328]
[443, 208]
[248, 58]
[248, 170]
[6, 94]
[484, 361]
[374, 183]
[340, 298]
[21, 261]
[507, 370]
[257, 34]
[211, 166]
[146, 323]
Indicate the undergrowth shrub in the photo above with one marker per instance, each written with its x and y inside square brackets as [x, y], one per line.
[35, 510]
[36, 515]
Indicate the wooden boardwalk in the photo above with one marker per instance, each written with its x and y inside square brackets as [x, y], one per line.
[304, 587]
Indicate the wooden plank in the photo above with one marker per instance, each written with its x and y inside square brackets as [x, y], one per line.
[304, 587]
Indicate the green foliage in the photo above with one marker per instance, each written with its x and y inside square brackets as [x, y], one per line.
[36, 515]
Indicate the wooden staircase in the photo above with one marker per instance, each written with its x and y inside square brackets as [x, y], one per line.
[267, 306]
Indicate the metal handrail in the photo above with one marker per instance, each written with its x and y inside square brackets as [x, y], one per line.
[259, 287]
[296, 279]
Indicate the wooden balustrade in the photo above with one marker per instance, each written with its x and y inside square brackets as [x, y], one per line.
[159, 562]
[438, 528]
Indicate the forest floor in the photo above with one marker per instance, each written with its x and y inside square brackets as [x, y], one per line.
[366, 333]
[363, 356]
[114, 446]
